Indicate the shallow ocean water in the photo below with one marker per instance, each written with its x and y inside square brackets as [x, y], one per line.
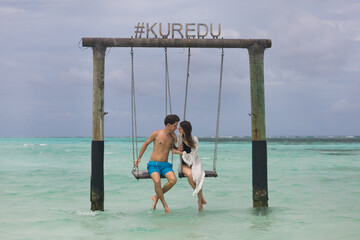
[313, 188]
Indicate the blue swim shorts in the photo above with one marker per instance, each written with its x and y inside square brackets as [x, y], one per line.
[161, 167]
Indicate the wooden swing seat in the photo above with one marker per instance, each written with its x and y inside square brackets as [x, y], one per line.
[207, 174]
[144, 174]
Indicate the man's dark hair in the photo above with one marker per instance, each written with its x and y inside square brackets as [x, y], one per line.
[172, 118]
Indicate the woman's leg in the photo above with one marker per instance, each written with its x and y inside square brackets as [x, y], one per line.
[200, 196]
[187, 171]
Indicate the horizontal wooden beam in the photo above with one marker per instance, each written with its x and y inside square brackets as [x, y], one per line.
[174, 43]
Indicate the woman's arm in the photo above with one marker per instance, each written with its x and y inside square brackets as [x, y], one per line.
[179, 150]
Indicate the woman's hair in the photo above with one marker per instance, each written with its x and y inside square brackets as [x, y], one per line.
[172, 118]
[186, 126]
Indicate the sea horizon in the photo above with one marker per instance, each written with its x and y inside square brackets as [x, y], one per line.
[202, 137]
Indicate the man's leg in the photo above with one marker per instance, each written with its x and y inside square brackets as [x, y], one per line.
[170, 176]
[159, 192]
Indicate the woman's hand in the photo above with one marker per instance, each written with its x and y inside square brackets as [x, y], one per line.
[175, 151]
[173, 135]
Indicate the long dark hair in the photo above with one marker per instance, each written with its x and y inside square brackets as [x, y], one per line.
[186, 126]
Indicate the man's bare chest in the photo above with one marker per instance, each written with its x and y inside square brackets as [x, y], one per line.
[163, 142]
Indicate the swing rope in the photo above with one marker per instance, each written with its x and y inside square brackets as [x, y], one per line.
[187, 82]
[218, 111]
[167, 93]
[219, 102]
[133, 114]
[167, 85]
[144, 174]
[133, 106]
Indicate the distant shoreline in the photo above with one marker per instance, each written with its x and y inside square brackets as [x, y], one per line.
[227, 138]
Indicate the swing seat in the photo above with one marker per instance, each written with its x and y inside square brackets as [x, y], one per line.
[207, 174]
[142, 174]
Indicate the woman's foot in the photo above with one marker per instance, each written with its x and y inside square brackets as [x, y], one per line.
[200, 206]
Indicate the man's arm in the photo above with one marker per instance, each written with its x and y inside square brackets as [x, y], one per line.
[144, 146]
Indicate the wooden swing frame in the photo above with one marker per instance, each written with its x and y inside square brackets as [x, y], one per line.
[256, 49]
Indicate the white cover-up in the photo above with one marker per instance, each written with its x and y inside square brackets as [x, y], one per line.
[192, 159]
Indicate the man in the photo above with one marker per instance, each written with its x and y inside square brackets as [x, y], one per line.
[158, 165]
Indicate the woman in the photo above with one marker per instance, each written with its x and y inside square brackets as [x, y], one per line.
[190, 161]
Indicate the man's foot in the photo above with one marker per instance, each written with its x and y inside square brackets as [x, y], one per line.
[203, 201]
[155, 199]
[167, 210]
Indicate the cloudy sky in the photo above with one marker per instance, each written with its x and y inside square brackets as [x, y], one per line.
[312, 80]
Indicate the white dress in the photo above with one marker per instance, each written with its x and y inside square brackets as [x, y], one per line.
[192, 159]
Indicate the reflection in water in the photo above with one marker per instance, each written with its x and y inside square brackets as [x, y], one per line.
[261, 220]
[261, 211]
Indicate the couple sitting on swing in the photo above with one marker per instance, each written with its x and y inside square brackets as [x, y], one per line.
[186, 146]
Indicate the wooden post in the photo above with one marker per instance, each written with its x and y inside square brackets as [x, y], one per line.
[97, 145]
[258, 134]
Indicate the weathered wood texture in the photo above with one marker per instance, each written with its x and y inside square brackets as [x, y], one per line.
[256, 55]
[258, 133]
[98, 92]
[175, 43]
[97, 152]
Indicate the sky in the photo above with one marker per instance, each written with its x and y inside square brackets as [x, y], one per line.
[311, 72]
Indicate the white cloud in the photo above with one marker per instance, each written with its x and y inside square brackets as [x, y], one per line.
[8, 11]
[8, 62]
[117, 75]
[80, 74]
[311, 46]
[230, 33]
[37, 79]
[341, 105]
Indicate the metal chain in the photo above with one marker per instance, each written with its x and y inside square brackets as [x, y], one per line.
[187, 82]
[218, 111]
[133, 113]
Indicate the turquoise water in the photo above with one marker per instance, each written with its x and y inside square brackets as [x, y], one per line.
[314, 192]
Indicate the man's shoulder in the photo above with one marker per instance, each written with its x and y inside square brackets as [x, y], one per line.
[156, 133]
